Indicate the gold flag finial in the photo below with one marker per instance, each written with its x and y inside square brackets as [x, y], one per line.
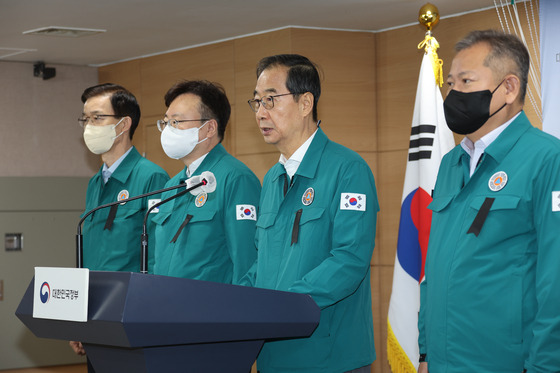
[428, 16]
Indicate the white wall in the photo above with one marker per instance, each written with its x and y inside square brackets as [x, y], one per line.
[39, 134]
[44, 169]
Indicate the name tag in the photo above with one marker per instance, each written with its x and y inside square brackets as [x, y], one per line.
[61, 293]
[152, 202]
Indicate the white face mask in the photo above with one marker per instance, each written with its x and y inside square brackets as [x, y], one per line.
[99, 139]
[178, 143]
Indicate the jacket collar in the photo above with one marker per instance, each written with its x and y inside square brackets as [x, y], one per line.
[500, 147]
[123, 171]
[214, 156]
[310, 162]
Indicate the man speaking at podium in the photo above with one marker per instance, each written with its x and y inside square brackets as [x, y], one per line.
[316, 229]
[207, 235]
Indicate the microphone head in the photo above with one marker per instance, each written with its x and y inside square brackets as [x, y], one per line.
[207, 177]
[192, 181]
[210, 179]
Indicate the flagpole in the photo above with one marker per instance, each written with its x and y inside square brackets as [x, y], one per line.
[428, 16]
[430, 140]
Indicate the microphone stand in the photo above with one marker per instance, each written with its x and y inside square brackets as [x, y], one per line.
[144, 237]
[80, 238]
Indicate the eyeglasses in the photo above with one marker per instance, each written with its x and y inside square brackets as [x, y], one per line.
[267, 101]
[162, 123]
[95, 119]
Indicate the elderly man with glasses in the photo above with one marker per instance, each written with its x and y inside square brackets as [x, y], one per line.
[205, 235]
[316, 228]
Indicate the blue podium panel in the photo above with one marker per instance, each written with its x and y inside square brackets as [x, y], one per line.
[230, 357]
[154, 321]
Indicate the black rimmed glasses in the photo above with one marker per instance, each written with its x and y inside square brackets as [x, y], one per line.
[162, 123]
[266, 101]
[95, 119]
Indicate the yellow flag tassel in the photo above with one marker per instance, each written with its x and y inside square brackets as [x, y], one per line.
[399, 362]
[430, 45]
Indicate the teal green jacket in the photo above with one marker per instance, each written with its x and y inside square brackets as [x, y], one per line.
[325, 254]
[216, 244]
[118, 248]
[491, 302]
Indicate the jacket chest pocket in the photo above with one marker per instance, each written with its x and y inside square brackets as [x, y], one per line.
[161, 217]
[129, 214]
[440, 204]
[202, 220]
[500, 203]
[266, 220]
[268, 240]
[306, 223]
[202, 215]
[497, 218]
[487, 215]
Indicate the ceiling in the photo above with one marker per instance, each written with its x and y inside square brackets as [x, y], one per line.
[136, 28]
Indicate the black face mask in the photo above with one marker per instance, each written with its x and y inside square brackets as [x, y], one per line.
[465, 113]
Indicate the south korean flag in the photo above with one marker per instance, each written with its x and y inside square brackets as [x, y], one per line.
[353, 201]
[246, 212]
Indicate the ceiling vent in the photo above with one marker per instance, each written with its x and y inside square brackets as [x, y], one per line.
[68, 32]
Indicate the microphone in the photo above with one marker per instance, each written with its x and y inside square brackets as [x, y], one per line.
[209, 187]
[80, 238]
[203, 183]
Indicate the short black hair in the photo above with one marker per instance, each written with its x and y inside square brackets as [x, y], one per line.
[122, 100]
[502, 47]
[214, 103]
[303, 75]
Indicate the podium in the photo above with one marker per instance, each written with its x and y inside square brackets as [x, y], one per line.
[148, 323]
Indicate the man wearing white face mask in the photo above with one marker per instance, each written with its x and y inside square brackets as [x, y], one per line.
[111, 236]
[208, 236]
[110, 117]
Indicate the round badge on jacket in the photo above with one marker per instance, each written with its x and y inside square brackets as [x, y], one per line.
[308, 196]
[123, 194]
[498, 181]
[200, 199]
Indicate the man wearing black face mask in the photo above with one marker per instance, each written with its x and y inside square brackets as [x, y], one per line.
[490, 299]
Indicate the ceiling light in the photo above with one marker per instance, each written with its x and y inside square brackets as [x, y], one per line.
[72, 32]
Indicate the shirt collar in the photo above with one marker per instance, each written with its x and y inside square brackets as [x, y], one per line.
[207, 161]
[475, 150]
[487, 139]
[499, 149]
[191, 169]
[292, 164]
[108, 171]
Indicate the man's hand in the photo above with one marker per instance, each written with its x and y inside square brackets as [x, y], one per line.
[423, 368]
[78, 348]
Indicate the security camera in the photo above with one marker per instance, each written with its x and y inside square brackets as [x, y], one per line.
[39, 70]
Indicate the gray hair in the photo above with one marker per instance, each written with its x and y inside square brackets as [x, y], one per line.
[503, 47]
